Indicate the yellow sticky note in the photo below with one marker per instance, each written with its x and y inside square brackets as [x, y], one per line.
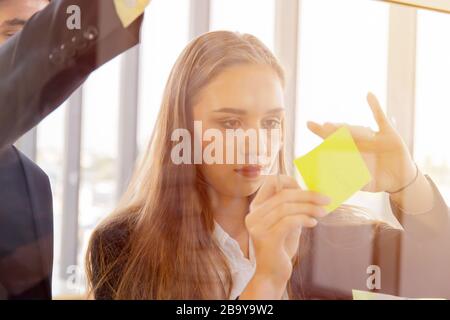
[367, 295]
[335, 168]
[130, 10]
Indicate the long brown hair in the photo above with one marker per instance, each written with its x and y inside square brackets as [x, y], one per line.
[158, 243]
[161, 245]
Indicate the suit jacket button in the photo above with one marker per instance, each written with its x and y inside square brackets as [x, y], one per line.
[81, 44]
[56, 57]
[91, 33]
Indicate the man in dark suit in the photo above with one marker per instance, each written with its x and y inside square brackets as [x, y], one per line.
[40, 67]
[26, 228]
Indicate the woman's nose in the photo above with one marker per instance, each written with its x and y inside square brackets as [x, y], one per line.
[259, 148]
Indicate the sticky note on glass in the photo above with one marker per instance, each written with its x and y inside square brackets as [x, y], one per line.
[130, 10]
[367, 295]
[335, 168]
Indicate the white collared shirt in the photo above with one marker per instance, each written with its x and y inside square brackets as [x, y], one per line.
[242, 269]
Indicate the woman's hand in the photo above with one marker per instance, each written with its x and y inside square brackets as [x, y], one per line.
[275, 223]
[384, 152]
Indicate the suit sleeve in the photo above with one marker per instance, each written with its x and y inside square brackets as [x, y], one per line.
[44, 63]
[427, 225]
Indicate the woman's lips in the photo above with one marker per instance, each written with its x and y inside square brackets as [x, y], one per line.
[249, 171]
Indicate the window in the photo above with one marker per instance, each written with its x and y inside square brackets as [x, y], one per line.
[256, 17]
[342, 55]
[165, 33]
[97, 193]
[50, 157]
[433, 98]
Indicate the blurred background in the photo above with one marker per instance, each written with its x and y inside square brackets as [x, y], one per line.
[334, 52]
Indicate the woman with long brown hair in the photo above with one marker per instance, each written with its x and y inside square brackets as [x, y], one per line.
[221, 231]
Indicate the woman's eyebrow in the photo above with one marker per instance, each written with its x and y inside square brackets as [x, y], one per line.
[243, 111]
[14, 22]
[231, 110]
[276, 110]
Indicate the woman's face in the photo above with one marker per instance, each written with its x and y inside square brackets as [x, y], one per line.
[242, 97]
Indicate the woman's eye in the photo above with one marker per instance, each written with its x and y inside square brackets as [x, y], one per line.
[272, 124]
[231, 124]
[10, 33]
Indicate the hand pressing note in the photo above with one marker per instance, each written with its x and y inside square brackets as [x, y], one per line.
[384, 151]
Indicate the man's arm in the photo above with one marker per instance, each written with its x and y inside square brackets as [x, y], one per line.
[42, 65]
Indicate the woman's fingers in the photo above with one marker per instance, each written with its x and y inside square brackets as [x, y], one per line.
[290, 223]
[359, 133]
[363, 136]
[377, 111]
[289, 196]
[270, 187]
[319, 129]
[328, 128]
[285, 203]
[292, 209]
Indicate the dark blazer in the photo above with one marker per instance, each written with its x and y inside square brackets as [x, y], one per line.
[40, 67]
[26, 228]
